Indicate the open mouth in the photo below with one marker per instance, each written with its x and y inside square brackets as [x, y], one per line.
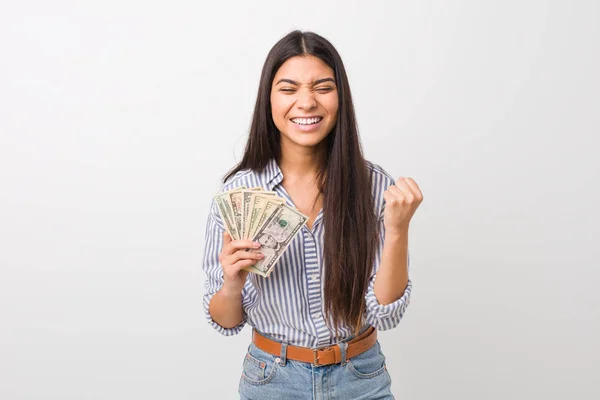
[307, 121]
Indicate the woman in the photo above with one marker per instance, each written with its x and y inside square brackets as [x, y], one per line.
[345, 276]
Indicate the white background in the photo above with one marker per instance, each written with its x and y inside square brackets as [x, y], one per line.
[118, 119]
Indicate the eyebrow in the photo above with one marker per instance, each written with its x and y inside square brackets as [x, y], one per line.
[313, 83]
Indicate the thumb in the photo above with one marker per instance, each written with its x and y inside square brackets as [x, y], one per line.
[244, 273]
[226, 237]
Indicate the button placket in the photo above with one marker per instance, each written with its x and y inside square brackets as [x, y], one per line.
[315, 281]
[313, 285]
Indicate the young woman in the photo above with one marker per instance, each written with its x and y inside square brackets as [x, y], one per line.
[345, 276]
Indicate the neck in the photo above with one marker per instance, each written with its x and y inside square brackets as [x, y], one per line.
[299, 162]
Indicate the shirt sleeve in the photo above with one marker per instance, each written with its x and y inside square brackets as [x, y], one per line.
[384, 317]
[213, 270]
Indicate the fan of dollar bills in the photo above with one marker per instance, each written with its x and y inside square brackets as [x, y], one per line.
[261, 216]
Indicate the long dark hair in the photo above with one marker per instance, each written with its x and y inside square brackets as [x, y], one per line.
[344, 180]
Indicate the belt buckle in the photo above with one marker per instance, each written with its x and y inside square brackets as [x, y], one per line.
[315, 358]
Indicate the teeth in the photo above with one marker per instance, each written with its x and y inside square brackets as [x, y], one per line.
[306, 121]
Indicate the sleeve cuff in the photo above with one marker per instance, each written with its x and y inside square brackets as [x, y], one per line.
[387, 316]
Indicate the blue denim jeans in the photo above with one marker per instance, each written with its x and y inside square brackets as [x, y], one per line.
[268, 377]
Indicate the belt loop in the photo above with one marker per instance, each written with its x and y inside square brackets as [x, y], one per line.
[343, 346]
[283, 354]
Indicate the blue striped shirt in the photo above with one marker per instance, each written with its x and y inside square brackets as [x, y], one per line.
[288, 305]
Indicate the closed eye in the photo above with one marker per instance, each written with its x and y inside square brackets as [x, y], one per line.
[320, 90]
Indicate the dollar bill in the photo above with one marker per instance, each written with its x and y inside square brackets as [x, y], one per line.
[248, 202]
[225, 207]
[246, 195]
[263, 208]
[275, 236]
[226, 215]
[236, 200]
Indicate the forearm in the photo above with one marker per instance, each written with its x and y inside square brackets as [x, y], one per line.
[226, 307]
[392, 275]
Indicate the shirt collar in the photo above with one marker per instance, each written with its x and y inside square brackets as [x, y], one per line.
[272, 174]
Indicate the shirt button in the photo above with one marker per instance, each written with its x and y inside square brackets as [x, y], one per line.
[317, 315]
[314, 277]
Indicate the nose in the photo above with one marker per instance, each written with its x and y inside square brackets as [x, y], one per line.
[306, 100]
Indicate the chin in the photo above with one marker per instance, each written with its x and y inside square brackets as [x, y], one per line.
[306, 139]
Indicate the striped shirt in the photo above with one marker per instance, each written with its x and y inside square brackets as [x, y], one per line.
[288, 305]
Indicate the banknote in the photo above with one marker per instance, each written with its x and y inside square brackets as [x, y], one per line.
[263, 208]
[236, 199]
[275, 236]
[226, 216]
[247, 204]
[226, 210]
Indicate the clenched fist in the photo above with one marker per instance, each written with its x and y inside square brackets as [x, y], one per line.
[401, 202]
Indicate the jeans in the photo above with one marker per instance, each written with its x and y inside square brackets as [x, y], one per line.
[268, 377]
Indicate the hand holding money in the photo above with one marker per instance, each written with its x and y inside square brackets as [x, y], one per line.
[260, 216]
[233, 258]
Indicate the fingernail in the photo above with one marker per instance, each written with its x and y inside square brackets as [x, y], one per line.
[401, 177]
[260, 255]
[256, 244]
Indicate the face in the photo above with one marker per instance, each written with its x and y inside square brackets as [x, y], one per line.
[267, 240]
[304, 101]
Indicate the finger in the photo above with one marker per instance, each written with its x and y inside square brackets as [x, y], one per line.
[244, 244]
[226, 249]
[415, 188]
[402, 193]
[390, 195]
[386, 195]
[397, 192]
[243, 255]
[226, 238]
[242, 263]
[403, 186]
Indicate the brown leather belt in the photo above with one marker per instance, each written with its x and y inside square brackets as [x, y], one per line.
[322, 356]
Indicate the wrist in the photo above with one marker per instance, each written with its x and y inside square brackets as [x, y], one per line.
[397, 234]
[231, 290]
